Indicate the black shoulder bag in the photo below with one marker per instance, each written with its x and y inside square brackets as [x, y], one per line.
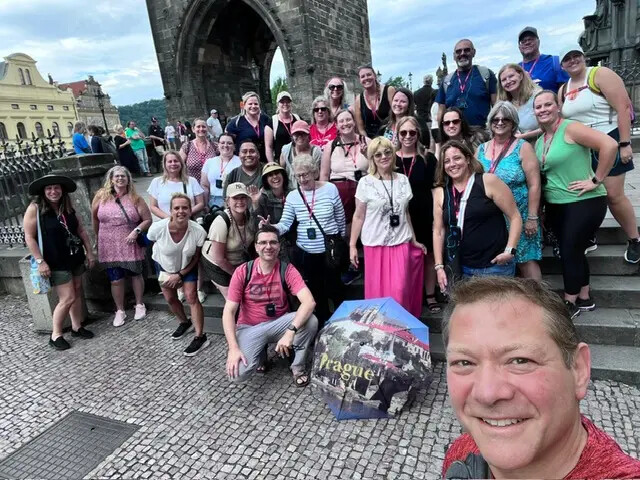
[141, 239]
[336, 250]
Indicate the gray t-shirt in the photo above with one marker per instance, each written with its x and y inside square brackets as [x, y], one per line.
[239, 175]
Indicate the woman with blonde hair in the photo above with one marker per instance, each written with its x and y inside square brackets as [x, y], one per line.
[323, 128]
[253, 124]
[119, 217]
[516, 87]
[197, 151]
[373, 105]
[338, 95]
[392, 254]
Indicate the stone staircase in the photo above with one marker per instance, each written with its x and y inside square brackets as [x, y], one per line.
[612, 330]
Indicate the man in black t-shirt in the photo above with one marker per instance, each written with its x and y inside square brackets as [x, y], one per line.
[156, 134]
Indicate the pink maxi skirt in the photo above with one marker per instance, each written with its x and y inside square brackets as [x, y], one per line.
[396, 272]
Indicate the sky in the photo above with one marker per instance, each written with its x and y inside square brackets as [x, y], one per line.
[112, 41]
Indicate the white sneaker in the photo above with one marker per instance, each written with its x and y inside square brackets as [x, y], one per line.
[181, 296]
[118, 320]
[141, 312]
[202, 296]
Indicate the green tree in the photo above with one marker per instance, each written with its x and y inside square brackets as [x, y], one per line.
[279, 85]
[142, 112]
[397, 82]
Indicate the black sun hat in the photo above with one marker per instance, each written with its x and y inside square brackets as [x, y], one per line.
[67, 184]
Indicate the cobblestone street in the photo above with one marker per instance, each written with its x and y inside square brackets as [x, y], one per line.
[195, 424]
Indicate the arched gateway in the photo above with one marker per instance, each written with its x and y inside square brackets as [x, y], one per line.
[212, 51]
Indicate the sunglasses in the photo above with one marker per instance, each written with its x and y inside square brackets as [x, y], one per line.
[385, 153]
[499, 120]
[263, 243]
[336, 87]
[446, 123]
[320, 109]
[460, 51]
[408, 133]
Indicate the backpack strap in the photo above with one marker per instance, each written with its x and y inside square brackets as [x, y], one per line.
[226, 218]
[283, 271]
[274, 122]
[247, 277]
[485, 73]
[334, 144]
[591, 81]
[447, 81]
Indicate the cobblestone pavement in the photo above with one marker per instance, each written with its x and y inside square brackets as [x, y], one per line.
[195, 424]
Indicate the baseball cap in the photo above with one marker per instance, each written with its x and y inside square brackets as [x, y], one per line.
[299, 126]
[574, 47]
[531, 30]
[213, 111]
[281, 95]
[237, 188]
[154, 119]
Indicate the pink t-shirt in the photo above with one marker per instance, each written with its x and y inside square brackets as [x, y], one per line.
[262, 290]
[320, 139]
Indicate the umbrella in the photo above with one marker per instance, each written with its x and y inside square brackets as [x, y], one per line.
[369, 358]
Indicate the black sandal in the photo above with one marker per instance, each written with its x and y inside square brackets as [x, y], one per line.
[434, 307]
[302, 379]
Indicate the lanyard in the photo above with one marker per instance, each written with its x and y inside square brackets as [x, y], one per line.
[323, 135]
[62, 219]
[256, 128]
[313, 201]
[243, 239]
[223, 165]
[268, 282]
[404, 169]
[347, 150]
[463, 86]
[496, 160]
[547, 145]
[530, 71]
[456, 196]
[374, 110]
[286, 126]
[390, 195]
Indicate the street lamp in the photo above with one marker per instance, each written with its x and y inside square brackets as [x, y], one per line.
[379, 75]
[410, 81]
[101, 96]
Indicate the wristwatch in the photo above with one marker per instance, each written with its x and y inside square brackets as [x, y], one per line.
[595, 180]
[39, 261]
[510, 251]
[624, 144]
[138, 230]
[293, 328]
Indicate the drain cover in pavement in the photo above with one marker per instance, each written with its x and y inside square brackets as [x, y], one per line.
[69, 449]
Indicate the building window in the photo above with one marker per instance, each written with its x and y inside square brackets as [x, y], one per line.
[65, 108]
[15, 106]
[28, 76]
[22, 82]
[70, 128]
[33, 107]
[56, 130]
[39, 130]
[22, 132]
[49, 107]
[3, 133]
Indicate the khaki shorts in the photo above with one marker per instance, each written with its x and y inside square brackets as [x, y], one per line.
[60, 277]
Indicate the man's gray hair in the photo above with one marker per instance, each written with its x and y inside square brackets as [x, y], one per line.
[428, 79]
[495, 289]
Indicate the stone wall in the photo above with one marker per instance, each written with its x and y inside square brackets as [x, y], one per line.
[212, 51]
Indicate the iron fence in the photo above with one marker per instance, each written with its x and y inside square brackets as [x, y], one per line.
[21, 162]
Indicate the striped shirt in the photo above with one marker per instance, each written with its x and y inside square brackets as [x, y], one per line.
[327, 208]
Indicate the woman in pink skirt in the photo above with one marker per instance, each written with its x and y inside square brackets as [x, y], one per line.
[119, 217]
[199, 150]
[393, 258]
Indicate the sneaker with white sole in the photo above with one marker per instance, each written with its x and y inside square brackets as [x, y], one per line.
[141, 312]
[202, 296]
[197, 344]
[118, 320]
[632, 253]
[182, 329]
[181, 296]
[592, 245]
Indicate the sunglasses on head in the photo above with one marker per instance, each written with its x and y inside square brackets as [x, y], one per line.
[446, 123]
[408, 133]
[336, 87]
[320, 109]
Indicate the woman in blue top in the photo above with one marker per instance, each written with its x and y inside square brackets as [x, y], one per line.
[514, 161]
[80, 144]
[253, 124]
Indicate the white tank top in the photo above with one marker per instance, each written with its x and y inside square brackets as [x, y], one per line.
[589, 108]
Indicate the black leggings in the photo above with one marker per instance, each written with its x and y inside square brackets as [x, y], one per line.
[574, 224]
[323, 282]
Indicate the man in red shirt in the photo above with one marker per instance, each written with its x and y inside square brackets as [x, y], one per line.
[264, 314]
[516, 373]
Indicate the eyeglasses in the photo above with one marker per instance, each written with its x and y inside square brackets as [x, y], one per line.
[303, 175]
[460, 51]
[387, 152]
[408, 133]
[264, 243]
[499, 120]
[336, 87]
[529, 39]
[320, 109]
[446, 123]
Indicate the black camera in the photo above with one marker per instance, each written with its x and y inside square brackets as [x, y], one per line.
[219, 183]
[271, 309]
[394, 220]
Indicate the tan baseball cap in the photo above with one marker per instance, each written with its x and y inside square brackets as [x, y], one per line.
[236, 189]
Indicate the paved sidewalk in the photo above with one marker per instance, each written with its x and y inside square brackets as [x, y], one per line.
[195, 424]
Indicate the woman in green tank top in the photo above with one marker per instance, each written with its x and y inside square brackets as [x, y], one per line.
[575, 199]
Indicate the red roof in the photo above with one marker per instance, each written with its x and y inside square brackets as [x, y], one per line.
[76, 87]
[400, 332]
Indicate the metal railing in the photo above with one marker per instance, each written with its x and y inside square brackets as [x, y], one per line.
[21, 162]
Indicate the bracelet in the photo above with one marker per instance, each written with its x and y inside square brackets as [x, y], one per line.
[180, 275]
[439, 266]
[532, 218]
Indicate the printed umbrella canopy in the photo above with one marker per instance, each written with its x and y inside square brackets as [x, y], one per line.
[369, 358]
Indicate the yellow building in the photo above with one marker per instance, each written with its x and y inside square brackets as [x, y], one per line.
[31, 105]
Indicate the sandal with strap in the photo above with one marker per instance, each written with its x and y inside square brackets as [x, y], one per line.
[434, 307]
[301, 379]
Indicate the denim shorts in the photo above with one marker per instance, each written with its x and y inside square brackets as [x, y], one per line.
[506, 270]
[192, 276]
[60, 277]
[118, 273]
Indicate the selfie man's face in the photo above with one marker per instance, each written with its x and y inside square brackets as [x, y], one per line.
[508, 383]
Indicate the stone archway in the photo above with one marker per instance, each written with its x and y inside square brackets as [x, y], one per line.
[212, 51]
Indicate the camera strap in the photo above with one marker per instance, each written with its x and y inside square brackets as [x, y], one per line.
[463, 203]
